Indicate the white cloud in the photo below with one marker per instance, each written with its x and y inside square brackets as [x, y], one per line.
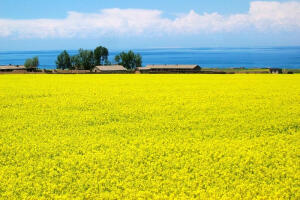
[262, 16]
[275, 15]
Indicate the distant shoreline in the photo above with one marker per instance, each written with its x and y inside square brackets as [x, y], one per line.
[221, 58]
[203, 71]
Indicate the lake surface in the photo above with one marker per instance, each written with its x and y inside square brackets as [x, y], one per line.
[283, 57]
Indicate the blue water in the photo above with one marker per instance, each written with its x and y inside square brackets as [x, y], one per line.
[284, 57]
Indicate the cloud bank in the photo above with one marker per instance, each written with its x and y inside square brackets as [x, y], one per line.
[262, 16]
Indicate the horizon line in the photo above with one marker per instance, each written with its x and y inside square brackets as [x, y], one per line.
[153, 48]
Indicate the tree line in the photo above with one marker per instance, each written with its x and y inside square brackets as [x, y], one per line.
[88, 59]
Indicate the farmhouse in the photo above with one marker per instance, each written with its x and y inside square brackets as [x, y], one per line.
[110, 69]
[170, 69]
[16, 68]
[11, 68]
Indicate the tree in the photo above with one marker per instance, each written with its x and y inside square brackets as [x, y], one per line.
[35, 62]
[129, 60]
[86, 59]
[28, 63]
[101, 55]
[32, 62]
[75, 62]
[63, 61]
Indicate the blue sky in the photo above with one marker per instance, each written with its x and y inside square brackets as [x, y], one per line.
[20, 9]
[125, 24]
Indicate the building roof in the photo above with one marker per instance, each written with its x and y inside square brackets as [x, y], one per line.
[169, 67]
[11, 67]
[111, 68]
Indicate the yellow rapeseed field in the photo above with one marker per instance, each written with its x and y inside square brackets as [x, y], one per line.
[149, 136]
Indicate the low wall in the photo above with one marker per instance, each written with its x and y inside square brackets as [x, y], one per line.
[252, 72]
[18, 72]
[134, 72]
[179, 72]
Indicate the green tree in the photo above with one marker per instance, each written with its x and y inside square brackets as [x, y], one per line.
[75, 62]
[101, 55]
[28, 63]
[63, 61]
[35, 62]
[32, 62]
[86, 59]
[129, 60]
